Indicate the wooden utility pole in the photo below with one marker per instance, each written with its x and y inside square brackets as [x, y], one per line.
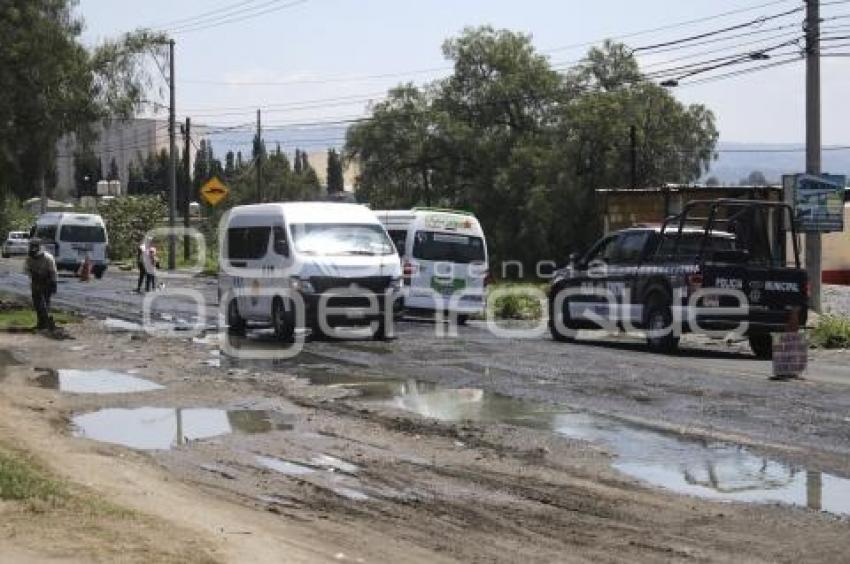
[633, 155]
[259, 157]
[813, 140]
[187, 196]
[172, 163]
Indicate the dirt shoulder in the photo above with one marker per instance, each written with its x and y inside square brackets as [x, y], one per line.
[330, 477]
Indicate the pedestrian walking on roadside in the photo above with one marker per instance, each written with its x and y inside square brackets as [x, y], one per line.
[140, 263]
[41, 269]
[151, 264]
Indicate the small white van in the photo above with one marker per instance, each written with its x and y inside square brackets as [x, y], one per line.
[71, 237]
[444, 257]
[332, 255]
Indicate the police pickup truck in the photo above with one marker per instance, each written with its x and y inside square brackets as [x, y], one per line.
[719, 267]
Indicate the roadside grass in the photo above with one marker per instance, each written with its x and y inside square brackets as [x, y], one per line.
[19, 317]
[22, 479]
[52, 515]
[831, 332]
[515, 300]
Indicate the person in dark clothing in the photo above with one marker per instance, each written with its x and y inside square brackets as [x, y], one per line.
[41, 269]
[140, 262]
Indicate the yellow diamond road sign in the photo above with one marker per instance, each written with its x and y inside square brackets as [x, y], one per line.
[214, 191]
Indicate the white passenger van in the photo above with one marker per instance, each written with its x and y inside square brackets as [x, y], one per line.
[444, 257]
[71, 237]
[335, 254]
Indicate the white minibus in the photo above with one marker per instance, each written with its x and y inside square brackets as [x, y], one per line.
[336, 257]
[71, 237]
[444, 258]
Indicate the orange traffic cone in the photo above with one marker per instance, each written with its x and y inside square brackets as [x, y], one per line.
[85, 270]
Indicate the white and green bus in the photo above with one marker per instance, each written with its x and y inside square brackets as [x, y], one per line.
[444, 260]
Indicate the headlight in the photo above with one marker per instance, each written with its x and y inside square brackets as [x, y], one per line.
[301, 285]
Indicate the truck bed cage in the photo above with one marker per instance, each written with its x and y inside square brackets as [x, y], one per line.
[711, 219]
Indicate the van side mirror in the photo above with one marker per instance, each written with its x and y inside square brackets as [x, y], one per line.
[281, 247]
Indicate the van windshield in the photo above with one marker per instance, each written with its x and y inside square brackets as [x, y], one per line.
[448, 247]
[82, 233]
[340, 239]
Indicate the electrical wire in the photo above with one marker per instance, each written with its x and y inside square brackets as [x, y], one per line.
[757, 21]
[226, 21]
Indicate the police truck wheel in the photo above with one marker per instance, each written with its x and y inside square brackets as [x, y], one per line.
[235, 323]
[462, 319]
[284, 329]
[762, 345]
[98, 273]
[380, 333]
[557, 332]
[658, 318]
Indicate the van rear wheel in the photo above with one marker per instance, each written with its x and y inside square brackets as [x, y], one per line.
[284, 328]
[235, 323]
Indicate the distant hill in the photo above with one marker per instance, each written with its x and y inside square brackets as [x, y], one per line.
[310, 139]
[732, 166]
[735, 161]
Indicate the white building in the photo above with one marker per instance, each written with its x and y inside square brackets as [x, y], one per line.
[125, 141]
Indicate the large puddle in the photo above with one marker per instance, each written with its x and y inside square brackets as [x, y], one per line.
[161, 428]
[95, 382]
[709, 469]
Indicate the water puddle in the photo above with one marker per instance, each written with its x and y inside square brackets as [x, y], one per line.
[95, 382]
[290, 468]
[332, 463]
[122, 326]
[703, 468]
[284, 466]
[161, 428]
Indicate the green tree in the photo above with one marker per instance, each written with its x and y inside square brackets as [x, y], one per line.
[755, 178]
[523, 146]
[54, 85]
[336, 182]
[298, 164]
[229, 165]
[128, 219]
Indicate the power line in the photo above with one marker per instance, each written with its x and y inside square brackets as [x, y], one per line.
[757, 21]
[226, 21]
[674, 25]
[173, 23]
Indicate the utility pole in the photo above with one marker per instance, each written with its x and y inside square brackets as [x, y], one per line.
[813, 139]
[633, 155]
[172, 163]
[187, 139]
[259, 158]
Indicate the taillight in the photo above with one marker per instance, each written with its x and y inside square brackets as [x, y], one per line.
[694, 282]
[808, 289]
[408, 271]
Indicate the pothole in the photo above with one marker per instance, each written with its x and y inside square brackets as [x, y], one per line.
[94, 382]
[162, 428]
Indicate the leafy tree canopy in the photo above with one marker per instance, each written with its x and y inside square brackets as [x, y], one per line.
[524, 146]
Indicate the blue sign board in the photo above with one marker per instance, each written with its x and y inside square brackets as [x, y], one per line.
[818, 201]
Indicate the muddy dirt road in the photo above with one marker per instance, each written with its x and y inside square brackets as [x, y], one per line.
[470, 448]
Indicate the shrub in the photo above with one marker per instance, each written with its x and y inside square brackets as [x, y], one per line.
[831, 332]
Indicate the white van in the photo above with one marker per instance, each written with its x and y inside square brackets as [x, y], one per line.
[444, 256]
[334, 254]
[71, 237]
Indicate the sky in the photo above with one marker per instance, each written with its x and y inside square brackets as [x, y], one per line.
[322, 60]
